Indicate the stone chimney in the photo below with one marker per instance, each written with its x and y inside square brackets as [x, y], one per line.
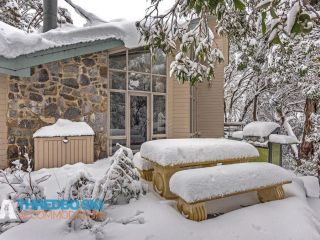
[50, 11]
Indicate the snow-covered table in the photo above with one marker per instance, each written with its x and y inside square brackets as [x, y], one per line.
[197, 186]
[173, 155]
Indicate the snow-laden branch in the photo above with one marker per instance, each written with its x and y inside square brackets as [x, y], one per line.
[90, 17]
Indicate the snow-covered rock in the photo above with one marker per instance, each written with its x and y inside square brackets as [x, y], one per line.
[15, 42]
[172, 152]
[65, 128]
[204, 183]
[141, 163]
[260, 129]
[283, 139]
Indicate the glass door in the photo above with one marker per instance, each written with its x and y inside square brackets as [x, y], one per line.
[139, 121]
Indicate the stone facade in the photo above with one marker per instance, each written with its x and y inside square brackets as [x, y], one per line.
[74, 89]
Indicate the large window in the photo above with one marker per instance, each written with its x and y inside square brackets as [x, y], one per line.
[136, 72]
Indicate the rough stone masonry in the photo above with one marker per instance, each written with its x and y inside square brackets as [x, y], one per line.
[74, 89]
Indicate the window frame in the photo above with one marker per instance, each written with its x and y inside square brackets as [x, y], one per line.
[128, 93]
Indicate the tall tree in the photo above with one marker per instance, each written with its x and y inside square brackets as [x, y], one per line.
[177, 32]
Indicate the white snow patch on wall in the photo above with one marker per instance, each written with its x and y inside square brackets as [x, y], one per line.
[172, 152]
[205, 183]
[65, 128]
[260, 129]
[15, 42]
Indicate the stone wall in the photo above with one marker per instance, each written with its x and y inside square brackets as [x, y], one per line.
[74, 89]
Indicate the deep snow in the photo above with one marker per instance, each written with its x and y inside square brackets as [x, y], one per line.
[203, 183]
[168, 152]
[65, 128]
[292, 218]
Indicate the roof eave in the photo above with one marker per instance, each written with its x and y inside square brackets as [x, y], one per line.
[20, 66]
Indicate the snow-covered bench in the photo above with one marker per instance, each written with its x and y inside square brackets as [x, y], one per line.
[144, 167]
[194, 187]
[173, 155]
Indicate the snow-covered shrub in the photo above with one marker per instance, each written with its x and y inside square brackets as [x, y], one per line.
[79, 187]
[121, 181]
[21, 182]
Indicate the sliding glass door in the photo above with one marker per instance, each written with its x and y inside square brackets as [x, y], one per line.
[139, 121]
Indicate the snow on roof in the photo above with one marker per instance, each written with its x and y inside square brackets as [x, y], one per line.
[283, 139]
[204, 183]
[65, 128]
[15, 42]
[172, 152]
[260, 129]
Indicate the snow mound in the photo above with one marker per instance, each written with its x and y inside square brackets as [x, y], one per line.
[204, 183]
[141, 163]
[172, 152]
[65, 128]
[15, 42]
[237, 134]
[260, 129]
[283, 139]
[311, 186]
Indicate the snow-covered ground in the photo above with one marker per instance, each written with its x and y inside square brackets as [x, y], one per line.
[295, 217]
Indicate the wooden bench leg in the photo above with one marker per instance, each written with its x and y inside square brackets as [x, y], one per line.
[146, 174]
[160, 180]
[271, 194]
[195, 212]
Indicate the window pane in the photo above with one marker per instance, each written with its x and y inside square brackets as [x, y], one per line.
[159, 84]
[159, 63]
[159, 114]
[118, 61]
[139, 60]
[117, 114]
[138, 121]
[139, 81]
[117, 80]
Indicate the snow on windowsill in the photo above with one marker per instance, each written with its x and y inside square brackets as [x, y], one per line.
[65, 128]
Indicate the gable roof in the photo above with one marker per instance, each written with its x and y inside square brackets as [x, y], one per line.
[20, 50]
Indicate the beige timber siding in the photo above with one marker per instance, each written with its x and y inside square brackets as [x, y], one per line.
[178, 109]
[53, 152]
[210, 96]
[3, 121]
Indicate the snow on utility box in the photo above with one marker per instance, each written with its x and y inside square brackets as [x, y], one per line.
[64, 142]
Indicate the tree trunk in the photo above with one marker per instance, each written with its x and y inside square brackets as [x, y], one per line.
[307, 147]
[255, 109]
